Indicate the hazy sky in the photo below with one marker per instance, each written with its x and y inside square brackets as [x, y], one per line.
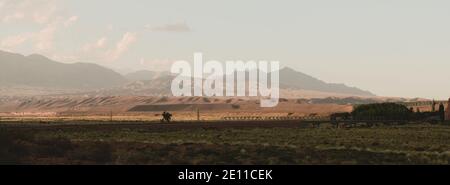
[390, 47]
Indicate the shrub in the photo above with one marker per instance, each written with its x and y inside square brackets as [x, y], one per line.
[53, 147]
[382, 111]
[234, 106]
[12, 146]
[95, 152]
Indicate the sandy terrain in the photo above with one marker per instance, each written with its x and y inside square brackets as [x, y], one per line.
[149, 108]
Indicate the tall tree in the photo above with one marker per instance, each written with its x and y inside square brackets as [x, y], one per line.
[442, 111]
[433, 106]
[447, 116]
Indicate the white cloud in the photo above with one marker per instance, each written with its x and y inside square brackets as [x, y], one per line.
[110, 27]
[44, 38]
[101, 50]
[13, 17]
[47, 15]
[48, 18]
[15, 40]
[36, 11]
[99, 44]
[71, 21]
[44, 17]
[121, 47]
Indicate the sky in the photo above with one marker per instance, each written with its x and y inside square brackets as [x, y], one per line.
[398, 48]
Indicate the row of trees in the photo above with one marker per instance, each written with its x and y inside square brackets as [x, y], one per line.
[393, 111]
[382, 111]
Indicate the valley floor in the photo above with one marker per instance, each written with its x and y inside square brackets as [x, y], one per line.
[278, 143]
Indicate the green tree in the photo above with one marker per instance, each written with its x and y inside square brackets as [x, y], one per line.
[382, 111]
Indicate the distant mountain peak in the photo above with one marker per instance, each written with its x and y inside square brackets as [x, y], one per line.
[40, 58]
[9, 54]
[37, 56]
[39, 71]
[292, 79]
[288, 69]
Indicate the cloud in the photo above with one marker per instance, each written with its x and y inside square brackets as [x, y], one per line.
[44, 38]
[121, 47]
[46, 15]
[48, 18]
[70, 21]
[36, 11]
[15, 40]
[99, 44]
[101, 50]
[110, 27]
[13, 17]
[177, 27]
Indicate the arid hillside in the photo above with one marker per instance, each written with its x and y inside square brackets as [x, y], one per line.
[122, 104]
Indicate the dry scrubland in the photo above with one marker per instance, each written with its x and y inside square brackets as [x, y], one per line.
[89, 107]
[242, 109]
[144, 116]
[407, 144]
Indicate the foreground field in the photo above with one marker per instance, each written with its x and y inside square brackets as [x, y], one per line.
[284, 144]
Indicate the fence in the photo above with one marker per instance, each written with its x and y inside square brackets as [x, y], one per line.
[275, 118]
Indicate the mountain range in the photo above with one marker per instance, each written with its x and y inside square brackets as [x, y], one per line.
[37, 71]
[291, 79]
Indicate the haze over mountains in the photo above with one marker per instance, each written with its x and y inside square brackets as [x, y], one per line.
[291, 79]
[36, 71]
[39, 71]
[145, 75]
